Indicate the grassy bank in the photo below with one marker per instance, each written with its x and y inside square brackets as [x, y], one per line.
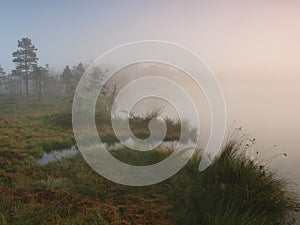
[233, 190]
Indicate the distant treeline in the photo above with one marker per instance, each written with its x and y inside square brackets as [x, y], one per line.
[31, 80]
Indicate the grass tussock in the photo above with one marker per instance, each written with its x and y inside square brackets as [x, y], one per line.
[233, 190]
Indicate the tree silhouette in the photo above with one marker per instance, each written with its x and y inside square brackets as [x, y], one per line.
[67, 78]
[2, 75]
[40, 77]
[25, 59]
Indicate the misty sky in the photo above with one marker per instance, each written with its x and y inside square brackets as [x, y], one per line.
[235, 37]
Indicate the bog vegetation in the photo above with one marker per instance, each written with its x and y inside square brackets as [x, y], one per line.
[35, 117]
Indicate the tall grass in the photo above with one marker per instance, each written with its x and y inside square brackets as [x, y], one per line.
[233, 190]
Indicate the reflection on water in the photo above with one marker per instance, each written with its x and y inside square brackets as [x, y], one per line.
[56, 154]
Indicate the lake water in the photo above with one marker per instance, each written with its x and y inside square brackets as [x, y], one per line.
[268, 108]
[264, 102]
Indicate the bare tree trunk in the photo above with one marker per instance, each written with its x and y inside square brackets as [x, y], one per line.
[26, 84]
[40, 89]
[26, 77]
[20, 87]
[40, 95]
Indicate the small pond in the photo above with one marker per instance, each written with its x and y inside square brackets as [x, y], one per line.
[56, 154]
[53, 155]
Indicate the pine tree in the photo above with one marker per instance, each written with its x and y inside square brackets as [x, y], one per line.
[78, 72]
[2, 76]
[2, 73]
[25, 59]
[40, 77]
[67, 78]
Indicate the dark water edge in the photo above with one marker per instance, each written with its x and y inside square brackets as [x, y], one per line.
[55, 155]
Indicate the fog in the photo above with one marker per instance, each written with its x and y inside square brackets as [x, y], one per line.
[267, 108]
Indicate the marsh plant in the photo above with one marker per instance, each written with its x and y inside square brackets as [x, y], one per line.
[234, 190]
